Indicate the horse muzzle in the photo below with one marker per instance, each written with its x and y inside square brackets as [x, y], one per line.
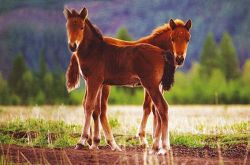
[179, 60]
[72, 47]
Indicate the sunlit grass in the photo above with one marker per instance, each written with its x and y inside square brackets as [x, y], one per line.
[4, 161]
[39, 132]
[60, 126]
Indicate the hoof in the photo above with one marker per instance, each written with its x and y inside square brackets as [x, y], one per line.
[113, 145]
[162, 151]
[152, 151]
[144, 142]
[79, 146]
[93, 147]
[116, 148]
[145, 145]
[89, 141]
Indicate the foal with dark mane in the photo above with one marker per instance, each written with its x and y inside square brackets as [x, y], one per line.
[173, 37]
[103, 63]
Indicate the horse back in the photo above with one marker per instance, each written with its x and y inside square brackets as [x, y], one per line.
[133, 61]
[118, 42]
[150, 60]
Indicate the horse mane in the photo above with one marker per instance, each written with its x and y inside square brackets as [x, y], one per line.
[166, 27]
[94, 29]
[169, 72]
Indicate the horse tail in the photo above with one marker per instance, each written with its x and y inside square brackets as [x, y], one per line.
[169, 71]
[73, 74]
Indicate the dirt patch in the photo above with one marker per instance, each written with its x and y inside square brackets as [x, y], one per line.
[133, 155]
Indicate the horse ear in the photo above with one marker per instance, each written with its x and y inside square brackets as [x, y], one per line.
[66, 13]
[83, 13]
[172, 24]
[188, 24]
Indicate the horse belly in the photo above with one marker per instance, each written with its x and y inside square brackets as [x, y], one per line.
[129, 81]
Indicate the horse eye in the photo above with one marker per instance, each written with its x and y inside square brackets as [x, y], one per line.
[172, 40]
[81, 28]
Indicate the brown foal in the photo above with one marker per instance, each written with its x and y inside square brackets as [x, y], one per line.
[173, 37]
[103, 63]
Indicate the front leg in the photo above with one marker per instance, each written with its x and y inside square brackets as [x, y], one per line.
[96, 117]
[147, 106]
[93, 87]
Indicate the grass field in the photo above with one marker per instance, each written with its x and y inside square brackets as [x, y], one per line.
[190, 126]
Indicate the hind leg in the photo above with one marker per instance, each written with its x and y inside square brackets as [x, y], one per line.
[162, 109]
[165, 128]
[162, 123]
[155, 120]
[104, 120]
[147, 105]
[155, 95]
[163, 118]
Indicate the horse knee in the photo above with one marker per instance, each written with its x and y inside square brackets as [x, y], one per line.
[147, 107]
[162, 108]
[103, 106]
[89, 108]
[163, 112]
[154, 110]
[96, 115]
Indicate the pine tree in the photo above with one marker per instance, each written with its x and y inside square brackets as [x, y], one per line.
[18, 69]
[42, 65]
[42, 71]
[245, 72]
[4, 92]
[122, 34]
[229, 61]
[245, 88]
[27, 88]
[209, 58]
[48, 90]
[21, 81]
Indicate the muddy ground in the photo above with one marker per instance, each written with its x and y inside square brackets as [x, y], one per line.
[136, 155]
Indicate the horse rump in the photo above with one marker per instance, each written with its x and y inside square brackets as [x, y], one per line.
[169, 71]
[73, 74]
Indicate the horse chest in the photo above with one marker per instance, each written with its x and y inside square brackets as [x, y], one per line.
[85, 72]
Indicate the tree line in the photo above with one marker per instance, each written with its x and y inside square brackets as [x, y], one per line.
[27, 87]
[216, 79]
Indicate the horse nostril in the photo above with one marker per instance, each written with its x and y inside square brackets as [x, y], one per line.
[179, 60]
[72, 48]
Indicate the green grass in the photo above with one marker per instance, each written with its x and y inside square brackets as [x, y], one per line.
[1, 110]
[4, 161]
[191, 140]
[42, 133]
[114, 123]
[38, 132]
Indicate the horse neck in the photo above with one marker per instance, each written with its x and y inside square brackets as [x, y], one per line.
[89, 36]
[89, 41]
[90, 33]
[161, 40]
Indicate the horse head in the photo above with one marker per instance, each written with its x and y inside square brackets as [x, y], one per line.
[180, 36]
[75, 26]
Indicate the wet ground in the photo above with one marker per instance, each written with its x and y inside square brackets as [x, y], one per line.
[134, 155]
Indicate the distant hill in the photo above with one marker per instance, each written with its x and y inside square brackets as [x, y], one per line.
[35, 27]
